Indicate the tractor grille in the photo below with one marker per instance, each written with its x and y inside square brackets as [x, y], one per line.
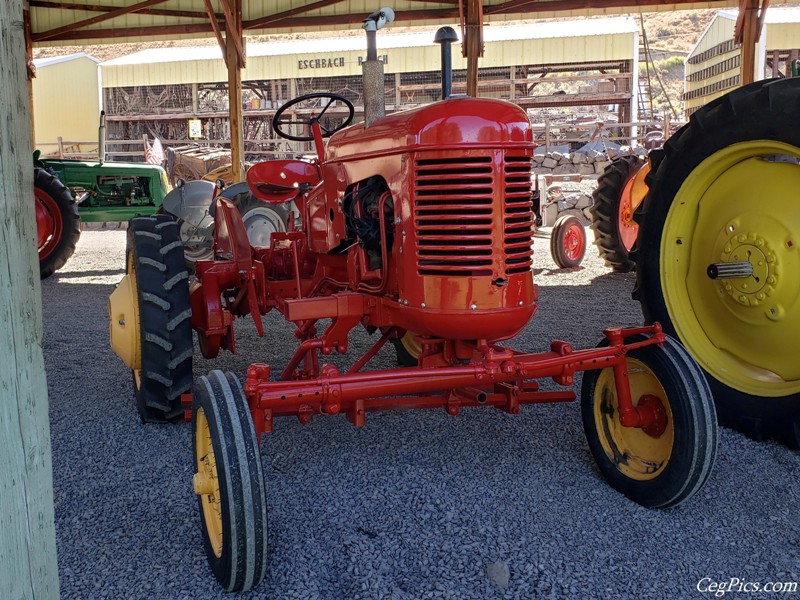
[518, 214]
[461, 224]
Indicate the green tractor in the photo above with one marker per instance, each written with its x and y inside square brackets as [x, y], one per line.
[714, 236]
[70, 191]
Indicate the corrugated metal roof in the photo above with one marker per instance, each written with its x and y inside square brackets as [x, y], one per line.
[775, 14]
[496, 33]
[45, 62]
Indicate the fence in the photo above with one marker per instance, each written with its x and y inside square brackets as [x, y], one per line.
[552, 134]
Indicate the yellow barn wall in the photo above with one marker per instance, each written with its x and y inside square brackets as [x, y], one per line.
[66, 102]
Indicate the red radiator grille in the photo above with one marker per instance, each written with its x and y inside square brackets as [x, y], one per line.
[458, 204]
[518, 214]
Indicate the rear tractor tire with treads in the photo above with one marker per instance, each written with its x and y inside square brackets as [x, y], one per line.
[724, 189]
[57, 222]
[155, 261]
[612, 219]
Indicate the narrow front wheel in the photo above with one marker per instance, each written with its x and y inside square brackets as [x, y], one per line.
[667, 462]
[229, 482]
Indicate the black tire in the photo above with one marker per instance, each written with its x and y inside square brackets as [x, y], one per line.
[238, 557]
[155, 259]
[605, 212]
[405, 358]
[568, 242]
[749, 121]
[674, 471]
[261, 218]
[56, 200]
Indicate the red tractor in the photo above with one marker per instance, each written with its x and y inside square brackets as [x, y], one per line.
[417, 225]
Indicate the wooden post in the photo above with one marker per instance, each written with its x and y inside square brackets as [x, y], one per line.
[235, 93]
[28, 567]
[195, 102]
[60, 147]
[547, 135]
[749, 35]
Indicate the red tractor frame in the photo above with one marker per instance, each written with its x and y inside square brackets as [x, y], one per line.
[417, 227]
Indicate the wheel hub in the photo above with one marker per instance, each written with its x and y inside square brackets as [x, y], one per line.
[123, 313]
[755, 249]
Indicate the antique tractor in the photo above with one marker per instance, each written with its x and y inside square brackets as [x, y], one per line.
[419, 221]
[711, 223]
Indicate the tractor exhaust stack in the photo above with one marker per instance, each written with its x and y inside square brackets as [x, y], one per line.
[446, 36]
[101, 138]
[372, 68]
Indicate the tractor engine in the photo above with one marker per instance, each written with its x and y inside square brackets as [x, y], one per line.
[449, 184]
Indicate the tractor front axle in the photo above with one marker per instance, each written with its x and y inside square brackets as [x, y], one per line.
[504, 380]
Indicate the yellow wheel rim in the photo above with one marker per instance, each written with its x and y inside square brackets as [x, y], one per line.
[411, 344]
[635, 453]
[740, 204]
[123, 314]
[206, 482]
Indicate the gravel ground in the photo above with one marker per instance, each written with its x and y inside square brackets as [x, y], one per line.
[414, 505]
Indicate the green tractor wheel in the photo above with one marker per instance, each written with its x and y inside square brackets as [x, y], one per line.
[58, 225]
[718, 254]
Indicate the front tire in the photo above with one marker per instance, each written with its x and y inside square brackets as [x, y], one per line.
[58, 224]
[229, 482]
[724, 189]
[661, 466]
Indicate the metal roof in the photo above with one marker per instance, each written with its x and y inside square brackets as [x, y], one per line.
[57, 22]
[46, 62]
[386, 40]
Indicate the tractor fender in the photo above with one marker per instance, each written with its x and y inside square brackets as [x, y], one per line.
[190, 202]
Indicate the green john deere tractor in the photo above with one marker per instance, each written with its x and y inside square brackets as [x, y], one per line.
[70, 191]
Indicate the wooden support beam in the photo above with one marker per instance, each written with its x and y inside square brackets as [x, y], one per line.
[46, 35]
[233, 31]
[235, 92]
[212, 18]
[472, 41]
[156, 12]
[28, 566]
[748, 13]
[31, 70]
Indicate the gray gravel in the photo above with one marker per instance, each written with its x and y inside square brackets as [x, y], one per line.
[414, 505]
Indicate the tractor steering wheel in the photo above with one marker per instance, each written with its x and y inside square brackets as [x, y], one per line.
[315, 102]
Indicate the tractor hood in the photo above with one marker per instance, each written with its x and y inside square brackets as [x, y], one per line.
[461, 122]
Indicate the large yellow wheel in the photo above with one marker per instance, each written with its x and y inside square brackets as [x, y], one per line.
[229, 482]
[150, 318]
[669, 460]
[726, 189]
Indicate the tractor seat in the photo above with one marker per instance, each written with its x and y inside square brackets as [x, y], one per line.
[278, 181]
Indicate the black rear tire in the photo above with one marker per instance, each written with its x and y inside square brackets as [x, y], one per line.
[233, 512]
[568, 242]
[155, 258]
[748, 128]
[57, 201]
[605, 211]
[656, 471]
